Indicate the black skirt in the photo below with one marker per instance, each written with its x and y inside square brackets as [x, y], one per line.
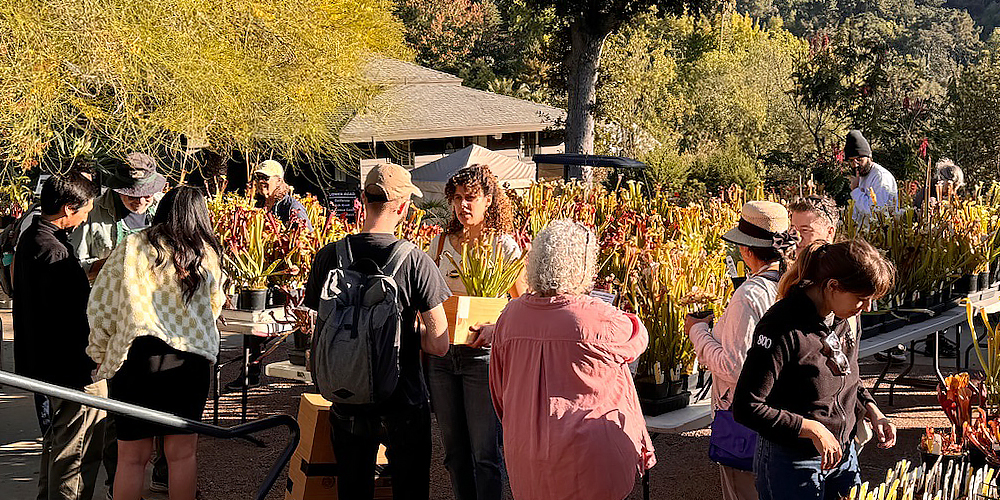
[159, 377]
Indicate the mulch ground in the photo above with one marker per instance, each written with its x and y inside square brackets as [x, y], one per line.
[233, 469]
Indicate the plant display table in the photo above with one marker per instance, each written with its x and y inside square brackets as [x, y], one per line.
[269, 323]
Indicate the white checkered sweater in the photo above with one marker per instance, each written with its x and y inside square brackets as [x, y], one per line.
[133, 297]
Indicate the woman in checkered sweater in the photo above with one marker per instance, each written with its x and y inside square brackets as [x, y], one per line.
[152, 315]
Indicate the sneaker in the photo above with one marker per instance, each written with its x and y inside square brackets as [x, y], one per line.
[237, 384]
[157, 485]
[947, 348]
[894, 356]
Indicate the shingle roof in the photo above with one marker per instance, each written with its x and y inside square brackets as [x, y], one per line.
[432, 105]
[394, 71]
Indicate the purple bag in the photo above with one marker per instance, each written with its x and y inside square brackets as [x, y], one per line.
[731, 444]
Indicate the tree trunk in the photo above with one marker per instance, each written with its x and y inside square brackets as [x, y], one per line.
[582, 64]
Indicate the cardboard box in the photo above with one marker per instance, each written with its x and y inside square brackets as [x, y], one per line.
[314, 428]
[318, 481]
[463, 312]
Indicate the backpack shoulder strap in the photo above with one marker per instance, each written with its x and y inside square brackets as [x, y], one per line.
[400, 250]
[771, 275]
[440, 249]
[344, 256]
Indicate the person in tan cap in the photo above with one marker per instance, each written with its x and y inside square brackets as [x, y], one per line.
[275, 194]
[766, 243]
[404, 417]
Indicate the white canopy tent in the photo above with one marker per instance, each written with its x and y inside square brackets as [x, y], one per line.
[432, 177]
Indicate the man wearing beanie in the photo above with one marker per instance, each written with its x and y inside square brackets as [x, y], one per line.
[868, 178]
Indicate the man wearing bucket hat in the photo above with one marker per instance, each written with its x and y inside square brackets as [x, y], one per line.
[765, 243]
[126, 207]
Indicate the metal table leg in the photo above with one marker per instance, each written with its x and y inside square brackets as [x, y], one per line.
[903, 374]
[215, 394]
[246, 378]
[881, 376]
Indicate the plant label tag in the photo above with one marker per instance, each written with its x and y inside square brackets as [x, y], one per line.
[730, 267]
[605, 296]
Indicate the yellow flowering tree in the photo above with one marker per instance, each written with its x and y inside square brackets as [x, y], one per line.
[161, 76]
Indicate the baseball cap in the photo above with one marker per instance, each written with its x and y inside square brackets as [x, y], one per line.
[391, 182]
[270, 168]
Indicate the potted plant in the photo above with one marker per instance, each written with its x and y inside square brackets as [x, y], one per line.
[249, 238]
[488, 274]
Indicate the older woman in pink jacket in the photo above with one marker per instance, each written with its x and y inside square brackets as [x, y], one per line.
[572, 427]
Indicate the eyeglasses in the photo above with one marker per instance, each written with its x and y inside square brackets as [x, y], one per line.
[835, 357]
[261, 177]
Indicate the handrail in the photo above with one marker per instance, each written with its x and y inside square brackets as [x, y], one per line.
[166, 419]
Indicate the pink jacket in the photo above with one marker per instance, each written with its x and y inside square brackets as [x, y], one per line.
[572, 426]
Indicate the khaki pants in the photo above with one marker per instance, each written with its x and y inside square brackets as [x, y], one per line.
[737, 484]
[72, 448]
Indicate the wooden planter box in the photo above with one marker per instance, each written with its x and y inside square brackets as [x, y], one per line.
[463, 312]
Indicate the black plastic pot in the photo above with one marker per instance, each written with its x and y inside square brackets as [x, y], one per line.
[297, 354]
[967, 284]
[276, 297]
[660, 406]
[893, 324]
[648, 389]
[253, 300]
[929, 459]
[984, 281]
[871, 324]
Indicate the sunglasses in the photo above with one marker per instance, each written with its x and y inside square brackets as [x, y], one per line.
[261, 177]
[835, 357]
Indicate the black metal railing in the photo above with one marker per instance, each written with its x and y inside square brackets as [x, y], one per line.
[241, 431]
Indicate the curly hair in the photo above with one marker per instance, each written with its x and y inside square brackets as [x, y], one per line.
[563, 259]
[479, 178]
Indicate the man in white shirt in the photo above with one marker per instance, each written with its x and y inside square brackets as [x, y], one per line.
[872, 186]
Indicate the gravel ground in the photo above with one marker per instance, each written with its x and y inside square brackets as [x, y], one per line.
[683, 469]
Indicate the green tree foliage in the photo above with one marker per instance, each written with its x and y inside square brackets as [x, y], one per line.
[701, 102]
[498, 45]
[589, 24]
[258, 76]
[973, 120]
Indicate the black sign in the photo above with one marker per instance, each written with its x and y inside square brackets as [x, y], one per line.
[342, 202]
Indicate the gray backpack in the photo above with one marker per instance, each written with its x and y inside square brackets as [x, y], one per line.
[355, 355]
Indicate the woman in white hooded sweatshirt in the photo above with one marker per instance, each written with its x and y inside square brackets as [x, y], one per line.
[764, 242]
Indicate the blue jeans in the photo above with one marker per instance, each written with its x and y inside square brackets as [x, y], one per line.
[470, 429]
[784, 473]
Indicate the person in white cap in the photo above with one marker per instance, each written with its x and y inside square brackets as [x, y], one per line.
[276, 194]
[404, 418]
[766, 243]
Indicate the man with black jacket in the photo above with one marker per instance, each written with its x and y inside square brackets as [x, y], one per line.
[50, 336]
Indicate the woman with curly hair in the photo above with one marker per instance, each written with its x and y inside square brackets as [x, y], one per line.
[459, 380]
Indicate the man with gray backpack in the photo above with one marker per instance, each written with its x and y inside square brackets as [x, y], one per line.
[368, 291]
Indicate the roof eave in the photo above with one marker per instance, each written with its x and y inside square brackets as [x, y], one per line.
[443, 133]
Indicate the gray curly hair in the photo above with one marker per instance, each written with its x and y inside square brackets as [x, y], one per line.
[946, 170]
[563, 259]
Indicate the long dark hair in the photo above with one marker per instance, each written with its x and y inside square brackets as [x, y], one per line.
[856, 265]
[182, 224]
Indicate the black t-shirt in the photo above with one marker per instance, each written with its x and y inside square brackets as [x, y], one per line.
[421, 288]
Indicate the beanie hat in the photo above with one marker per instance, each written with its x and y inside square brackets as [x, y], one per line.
[856, 145]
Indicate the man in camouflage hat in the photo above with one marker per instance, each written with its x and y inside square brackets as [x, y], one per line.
[126, 207]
